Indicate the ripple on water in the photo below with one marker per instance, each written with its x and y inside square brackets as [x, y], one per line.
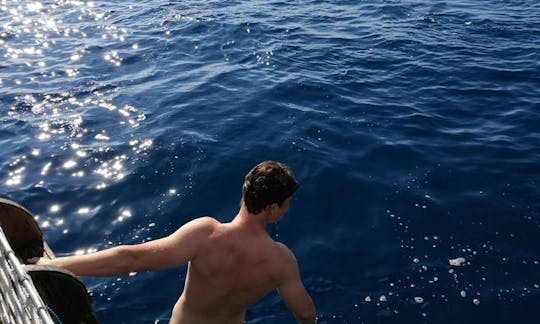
[412, 127]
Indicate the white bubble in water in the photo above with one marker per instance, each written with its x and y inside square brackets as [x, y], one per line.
[367, 299]
[476, 301]
[457, 261]
[419, 300]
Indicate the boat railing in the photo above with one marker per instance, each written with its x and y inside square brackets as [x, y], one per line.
[19, 300]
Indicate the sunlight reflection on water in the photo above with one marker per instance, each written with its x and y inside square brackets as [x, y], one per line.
[81, 132]
[117, 117]
[33, 38]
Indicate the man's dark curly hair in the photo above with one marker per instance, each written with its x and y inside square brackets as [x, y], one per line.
[267, 183]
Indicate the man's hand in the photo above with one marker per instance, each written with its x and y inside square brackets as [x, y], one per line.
[38, 261]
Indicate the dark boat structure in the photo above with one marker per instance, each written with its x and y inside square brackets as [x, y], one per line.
[35, 293]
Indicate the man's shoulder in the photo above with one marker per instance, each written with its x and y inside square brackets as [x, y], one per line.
[202, 224]
[286, 264]
[206, 221]
[284, 253]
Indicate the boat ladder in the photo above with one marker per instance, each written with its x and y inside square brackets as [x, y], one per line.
[19, 300]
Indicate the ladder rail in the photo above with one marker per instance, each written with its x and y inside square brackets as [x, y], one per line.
[20, 301]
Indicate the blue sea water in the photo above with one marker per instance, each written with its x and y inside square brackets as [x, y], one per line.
[412, 126]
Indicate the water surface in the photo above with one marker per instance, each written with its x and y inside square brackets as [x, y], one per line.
[411, 126]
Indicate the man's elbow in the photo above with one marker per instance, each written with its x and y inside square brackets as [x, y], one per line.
[309, 315]
[127, 259]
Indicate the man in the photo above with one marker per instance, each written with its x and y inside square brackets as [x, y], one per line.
[231, 265]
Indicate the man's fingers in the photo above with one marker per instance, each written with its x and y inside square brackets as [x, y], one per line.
[33, 260]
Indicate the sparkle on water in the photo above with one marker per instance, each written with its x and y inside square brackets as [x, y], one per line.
[62, 123]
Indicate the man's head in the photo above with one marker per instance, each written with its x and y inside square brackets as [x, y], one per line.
[267, 183]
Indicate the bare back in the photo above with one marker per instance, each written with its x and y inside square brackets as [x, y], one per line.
[231, 271]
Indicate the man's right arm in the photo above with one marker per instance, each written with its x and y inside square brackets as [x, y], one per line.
[294, 294]
[168, 252]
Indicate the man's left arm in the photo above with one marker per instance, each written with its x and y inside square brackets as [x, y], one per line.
[293, 293]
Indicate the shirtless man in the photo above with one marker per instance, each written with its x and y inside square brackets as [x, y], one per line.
[231, 265]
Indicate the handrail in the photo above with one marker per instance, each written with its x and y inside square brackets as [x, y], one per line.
[19, 300]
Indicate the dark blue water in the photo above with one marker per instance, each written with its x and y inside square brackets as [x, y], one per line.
[413, 128]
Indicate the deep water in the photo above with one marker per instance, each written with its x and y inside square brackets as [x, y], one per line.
[412, 126]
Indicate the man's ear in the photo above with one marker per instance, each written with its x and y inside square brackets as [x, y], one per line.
[272, 211]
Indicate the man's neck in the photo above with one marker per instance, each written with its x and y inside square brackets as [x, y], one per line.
[251, 222]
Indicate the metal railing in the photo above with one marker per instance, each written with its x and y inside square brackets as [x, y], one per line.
[19, 300]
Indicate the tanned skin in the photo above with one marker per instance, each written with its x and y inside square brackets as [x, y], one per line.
[231, 266]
